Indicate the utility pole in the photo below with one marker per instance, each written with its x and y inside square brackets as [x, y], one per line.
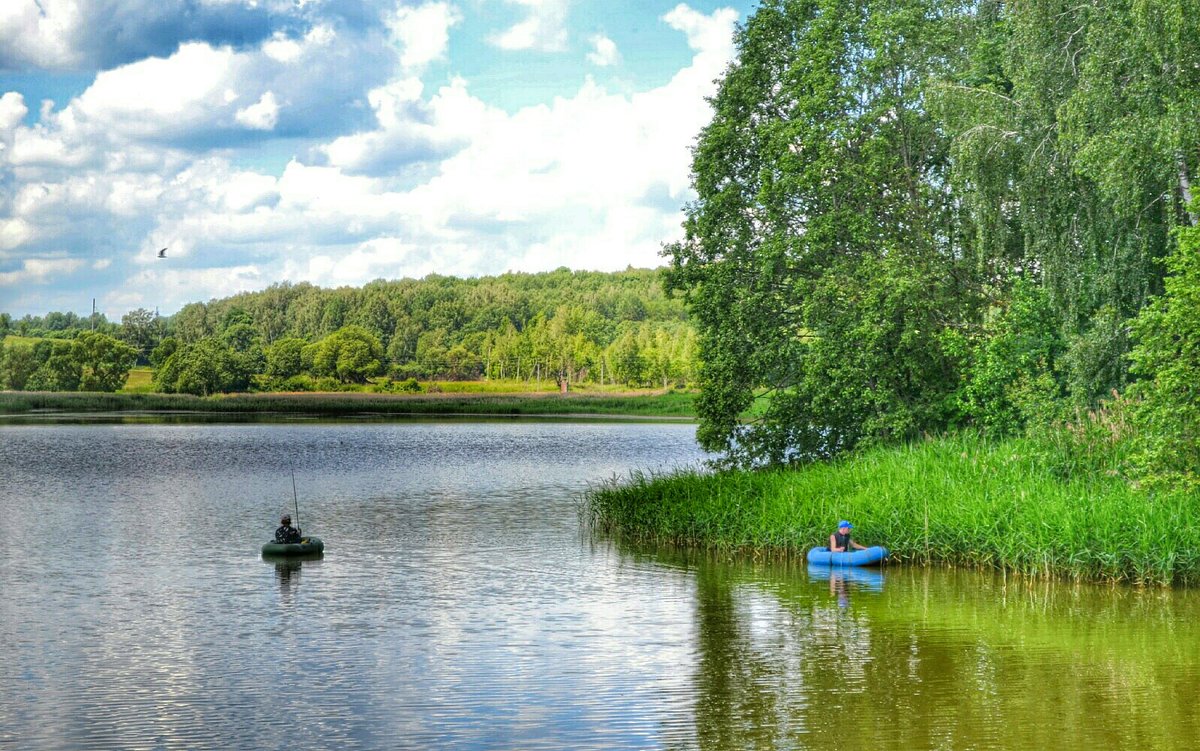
[93, 314]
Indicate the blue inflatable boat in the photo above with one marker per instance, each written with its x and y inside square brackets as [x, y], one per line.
[868, 557]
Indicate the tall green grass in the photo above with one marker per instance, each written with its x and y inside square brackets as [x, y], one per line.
[960, 500]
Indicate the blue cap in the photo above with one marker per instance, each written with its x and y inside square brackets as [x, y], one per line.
[844, 523]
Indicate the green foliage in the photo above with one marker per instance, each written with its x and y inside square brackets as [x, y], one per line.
[1010, 381]
[407, 386]
[814, 261]
[1073, 154]
[165, 349]
[17, 363]
[244, 342]
[92, 361]
[1166, 357]
[1095, 361]
[202, 368]
[56, 325]
[105, 361]
[59, 367]
[557, 327]
[1133, 114]
[142, 330]
[914, 215]
[284, 357]
[351, 354]
[629, 367]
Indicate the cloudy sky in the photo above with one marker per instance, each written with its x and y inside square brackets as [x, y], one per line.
[340, 141]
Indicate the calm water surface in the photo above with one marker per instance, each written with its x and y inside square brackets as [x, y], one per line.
[460, 605]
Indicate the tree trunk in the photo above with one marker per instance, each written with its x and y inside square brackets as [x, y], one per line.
[1185, 187]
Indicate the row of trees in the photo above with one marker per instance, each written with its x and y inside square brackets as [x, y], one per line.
[142, 329]
[561, 326]
[920, 214]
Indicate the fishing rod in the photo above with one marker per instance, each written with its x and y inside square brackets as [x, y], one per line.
[296, 499]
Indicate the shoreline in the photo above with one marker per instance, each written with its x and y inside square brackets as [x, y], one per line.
[957, 501]
[627, 405]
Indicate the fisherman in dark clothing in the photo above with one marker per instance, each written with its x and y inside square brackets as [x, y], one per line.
[840, 541]
[286, 532]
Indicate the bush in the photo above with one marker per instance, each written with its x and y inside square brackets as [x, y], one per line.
[389, 386]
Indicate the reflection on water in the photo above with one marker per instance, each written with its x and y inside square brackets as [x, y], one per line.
[459, 605]
[793, 657]
[287, 571]
[843, 579]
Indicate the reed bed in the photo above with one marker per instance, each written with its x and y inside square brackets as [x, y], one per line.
[960, 501]
[675, 404]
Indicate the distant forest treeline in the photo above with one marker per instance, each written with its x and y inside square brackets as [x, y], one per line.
[564, 326]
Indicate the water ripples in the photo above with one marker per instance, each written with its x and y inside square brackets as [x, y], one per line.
[459, 605]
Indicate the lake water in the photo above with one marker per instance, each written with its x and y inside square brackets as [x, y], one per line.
[460, 605]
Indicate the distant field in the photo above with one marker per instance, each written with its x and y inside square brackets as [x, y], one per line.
[139, 381]
[14, 339]
[521, 387]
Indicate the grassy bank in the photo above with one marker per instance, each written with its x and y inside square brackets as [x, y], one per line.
[651, 404]
[959, 500]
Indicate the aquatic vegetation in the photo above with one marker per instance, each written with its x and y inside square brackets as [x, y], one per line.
[961, 500]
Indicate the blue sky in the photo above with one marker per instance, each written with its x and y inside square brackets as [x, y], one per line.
[340, 141]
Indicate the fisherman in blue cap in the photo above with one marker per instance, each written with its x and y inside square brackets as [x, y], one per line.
[840, 541]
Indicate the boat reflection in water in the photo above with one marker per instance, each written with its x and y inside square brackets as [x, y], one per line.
[845, 579]
[846, 576]
[288, 567]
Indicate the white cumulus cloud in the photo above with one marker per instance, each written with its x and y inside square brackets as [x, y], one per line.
[432, 178]
[704, 32]
[39, 271]
[410, 129]
[604, 51]
[40, 32]
[544, 27]
[262, 115]
[12, 111]
[73, 35]
[422, 32]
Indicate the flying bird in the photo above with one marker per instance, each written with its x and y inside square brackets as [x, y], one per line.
[162, 253]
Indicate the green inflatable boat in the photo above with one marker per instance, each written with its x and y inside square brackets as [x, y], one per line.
[306, 546]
